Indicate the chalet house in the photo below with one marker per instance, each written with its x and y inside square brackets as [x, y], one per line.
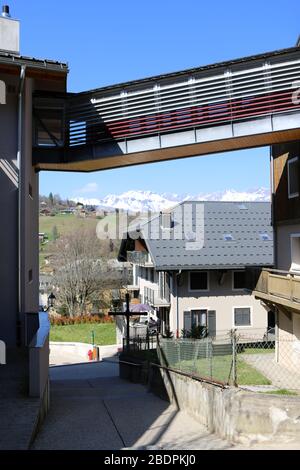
[45, 212]
[190, 265]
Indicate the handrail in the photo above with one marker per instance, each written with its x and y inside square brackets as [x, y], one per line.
[281, 285]
[280, 271]
[39, 339]
[198, 378]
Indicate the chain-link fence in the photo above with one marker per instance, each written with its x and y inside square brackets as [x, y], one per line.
[206, 358]
[271, 361]
[254, 360]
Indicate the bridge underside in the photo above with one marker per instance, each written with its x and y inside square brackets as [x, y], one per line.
[250, 102]
[98, 158]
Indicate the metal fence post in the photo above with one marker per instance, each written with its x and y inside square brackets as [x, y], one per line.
[234, 357]
[211, 359]
[179, 353]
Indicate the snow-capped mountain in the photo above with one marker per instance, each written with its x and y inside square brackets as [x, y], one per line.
[143, 201]
[260, 194]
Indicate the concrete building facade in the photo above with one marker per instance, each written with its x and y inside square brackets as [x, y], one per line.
[21, 78]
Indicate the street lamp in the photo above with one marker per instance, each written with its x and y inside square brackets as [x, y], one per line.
[51, 301]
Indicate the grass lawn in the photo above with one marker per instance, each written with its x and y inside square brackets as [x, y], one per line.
[259, 351]
[65, 224]
[281, 391]
[105, 333]
[220, 369]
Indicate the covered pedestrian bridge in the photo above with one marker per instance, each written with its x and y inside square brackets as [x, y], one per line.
[239, 104]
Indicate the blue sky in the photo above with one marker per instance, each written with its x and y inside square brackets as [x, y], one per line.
[107, 42]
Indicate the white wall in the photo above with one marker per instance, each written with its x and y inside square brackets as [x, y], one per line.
[220, 298]
[142, 283]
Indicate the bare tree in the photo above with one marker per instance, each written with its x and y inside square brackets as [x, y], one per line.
[77, 270]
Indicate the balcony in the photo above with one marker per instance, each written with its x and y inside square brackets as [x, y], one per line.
[279, 287]
[151, 297]
[142, 258]
[158, 302]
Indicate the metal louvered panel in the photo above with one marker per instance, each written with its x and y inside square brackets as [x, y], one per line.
[184, 101]
[192, 102]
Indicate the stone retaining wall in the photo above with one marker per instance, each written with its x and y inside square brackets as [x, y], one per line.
[233, 414]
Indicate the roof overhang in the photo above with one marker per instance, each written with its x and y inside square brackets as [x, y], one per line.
[35, 68]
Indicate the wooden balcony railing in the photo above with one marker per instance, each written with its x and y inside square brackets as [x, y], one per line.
[281, 287]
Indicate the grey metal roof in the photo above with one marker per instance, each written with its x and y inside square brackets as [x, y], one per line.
[177, 73]
[232, 234]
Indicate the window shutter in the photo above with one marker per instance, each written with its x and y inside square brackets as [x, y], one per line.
[187, 321]
[212, 323]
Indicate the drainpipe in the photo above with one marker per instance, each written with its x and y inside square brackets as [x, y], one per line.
[177, 303]
[20, 203]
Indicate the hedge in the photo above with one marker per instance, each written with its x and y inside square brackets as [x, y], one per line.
[64, 320]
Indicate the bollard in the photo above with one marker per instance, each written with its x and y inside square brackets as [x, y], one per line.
[95, 353]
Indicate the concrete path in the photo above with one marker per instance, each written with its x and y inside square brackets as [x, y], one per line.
[279, 375]
[92, 408]
[74, 353]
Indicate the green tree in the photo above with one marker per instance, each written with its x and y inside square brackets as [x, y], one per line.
[78, 274]
[51, 199]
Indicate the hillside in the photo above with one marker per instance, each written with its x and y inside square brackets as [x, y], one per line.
[66, 224]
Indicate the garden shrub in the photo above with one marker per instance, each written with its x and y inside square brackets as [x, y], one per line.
[101, 318]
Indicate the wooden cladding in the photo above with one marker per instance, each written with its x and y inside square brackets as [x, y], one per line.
[286, 208]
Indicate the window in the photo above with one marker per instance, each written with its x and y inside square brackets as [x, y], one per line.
[136, 294]
[239, 280]
[199, 317]
[151, 275]
[295, 252]
[198, 280]
[143, 272]
[242, 316]
[293, 177]
[167, 287]
[265, 237]
[135, 275]
[162, 285]
[194, 318]
[228, 237]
